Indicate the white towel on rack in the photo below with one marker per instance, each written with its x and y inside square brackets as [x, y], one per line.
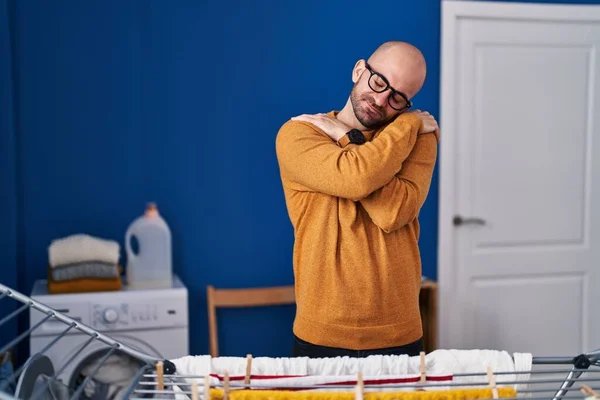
[80, 248]
[442, 366]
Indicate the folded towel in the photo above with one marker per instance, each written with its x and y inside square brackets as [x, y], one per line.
[84, 285]
[80, 248]
[90, 269]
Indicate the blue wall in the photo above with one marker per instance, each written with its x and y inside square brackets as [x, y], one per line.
[8, 178]
[106, 105]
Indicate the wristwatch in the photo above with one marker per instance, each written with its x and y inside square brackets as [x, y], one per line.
[353, 136]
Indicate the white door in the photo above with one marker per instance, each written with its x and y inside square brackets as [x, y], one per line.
[519, 268]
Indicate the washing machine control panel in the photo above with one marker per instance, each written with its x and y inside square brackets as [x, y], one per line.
[116, 316]
[128, 310]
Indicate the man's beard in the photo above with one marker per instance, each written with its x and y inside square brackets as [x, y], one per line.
[367, 117]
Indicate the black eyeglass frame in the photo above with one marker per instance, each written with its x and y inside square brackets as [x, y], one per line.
[386, 87]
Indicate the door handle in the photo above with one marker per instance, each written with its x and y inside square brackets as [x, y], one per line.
[458, 220]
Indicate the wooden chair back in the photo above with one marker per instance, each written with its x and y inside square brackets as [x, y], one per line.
[251, 297]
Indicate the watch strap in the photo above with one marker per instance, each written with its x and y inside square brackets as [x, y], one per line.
[344, 140]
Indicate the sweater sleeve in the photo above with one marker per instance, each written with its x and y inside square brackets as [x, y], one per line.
[398, 202]
[310, 161]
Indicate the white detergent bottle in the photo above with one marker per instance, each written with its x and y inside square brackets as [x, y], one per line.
[152, 265]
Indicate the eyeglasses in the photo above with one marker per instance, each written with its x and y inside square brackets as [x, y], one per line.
[379, 84]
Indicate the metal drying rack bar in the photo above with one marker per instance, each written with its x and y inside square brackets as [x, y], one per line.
[147, 361]
[539, 384]
[195, 386]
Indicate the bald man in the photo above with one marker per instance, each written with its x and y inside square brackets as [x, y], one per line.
[354, 182]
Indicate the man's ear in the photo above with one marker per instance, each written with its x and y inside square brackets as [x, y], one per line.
[359, 68]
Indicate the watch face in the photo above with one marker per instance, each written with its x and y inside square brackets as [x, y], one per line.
[356, 136]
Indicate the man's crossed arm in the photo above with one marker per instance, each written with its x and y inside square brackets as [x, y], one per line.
[399, 201]
[390, 176]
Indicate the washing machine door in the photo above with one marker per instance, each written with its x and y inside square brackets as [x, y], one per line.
[113, 377]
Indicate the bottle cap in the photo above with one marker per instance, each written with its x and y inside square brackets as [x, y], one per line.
[151, 210]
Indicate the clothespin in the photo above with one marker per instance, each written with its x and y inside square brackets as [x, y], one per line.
[422, 369]
[248, 369]
[207, 387]
[225, 385]
[359, 389]
[159, 376]
[492, 382]
[195, 391]
[588, 391]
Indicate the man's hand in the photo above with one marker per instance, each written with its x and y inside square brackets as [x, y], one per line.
[333, 127]
[429, 123]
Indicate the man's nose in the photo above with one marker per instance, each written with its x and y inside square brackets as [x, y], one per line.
[381, 99]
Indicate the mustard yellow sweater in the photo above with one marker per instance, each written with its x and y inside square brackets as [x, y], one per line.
[354, 211]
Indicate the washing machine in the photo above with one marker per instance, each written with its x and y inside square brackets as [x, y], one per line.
[152, 321]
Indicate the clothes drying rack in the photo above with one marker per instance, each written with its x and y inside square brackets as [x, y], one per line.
[158, 378]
